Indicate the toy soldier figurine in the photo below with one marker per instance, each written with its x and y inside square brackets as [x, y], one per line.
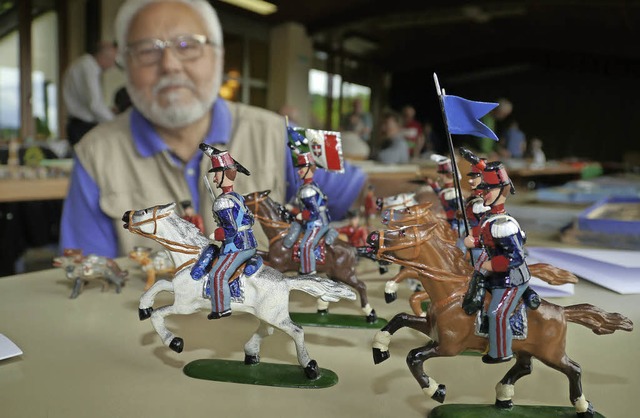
[356, 233]
[447, 192]
[502, 267]
[234, 231]
[313, 213]
[474, 203]
[191, 215]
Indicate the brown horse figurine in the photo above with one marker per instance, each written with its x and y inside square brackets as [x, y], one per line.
[421, 215]
[452, 331]
[341, 258]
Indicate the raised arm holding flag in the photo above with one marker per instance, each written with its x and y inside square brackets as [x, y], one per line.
[462, 117]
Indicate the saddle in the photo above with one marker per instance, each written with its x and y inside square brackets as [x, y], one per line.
[319, 252]
[248, 268]
[517, 321]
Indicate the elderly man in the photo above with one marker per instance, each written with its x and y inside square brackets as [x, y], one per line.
[172, 53]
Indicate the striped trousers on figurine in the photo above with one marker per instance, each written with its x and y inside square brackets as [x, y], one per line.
[503, 303]
[309, 242]
[219, 277]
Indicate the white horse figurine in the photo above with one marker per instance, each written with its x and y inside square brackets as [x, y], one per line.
[399, 201]
[265, 294]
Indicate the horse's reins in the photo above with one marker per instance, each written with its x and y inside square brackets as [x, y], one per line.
[170, 245]
[267, 222]
[409, 262]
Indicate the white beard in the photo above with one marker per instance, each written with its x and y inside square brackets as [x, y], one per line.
[175, 114]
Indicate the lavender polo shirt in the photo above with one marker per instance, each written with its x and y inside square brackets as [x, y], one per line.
[82, 211]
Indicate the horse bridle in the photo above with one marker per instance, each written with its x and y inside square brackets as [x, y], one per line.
[414, 243]
[170, 245]
[264, 221]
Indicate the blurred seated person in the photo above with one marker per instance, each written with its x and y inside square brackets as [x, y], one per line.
[412, 130]
[172, 53]
[82, 91]
[538, 159]
[515, 141]
[359, 121]
[395, 149]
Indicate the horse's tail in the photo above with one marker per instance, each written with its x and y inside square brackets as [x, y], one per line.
[553, 275]
[598, 320]
[320, 287]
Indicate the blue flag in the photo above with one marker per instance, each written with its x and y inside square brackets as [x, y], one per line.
[463, 116]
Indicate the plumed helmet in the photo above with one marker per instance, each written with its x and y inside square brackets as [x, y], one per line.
[476, 170]
[304, 160]
[222, 161]
[494, 175]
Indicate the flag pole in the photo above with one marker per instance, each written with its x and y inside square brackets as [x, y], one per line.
[456, 178]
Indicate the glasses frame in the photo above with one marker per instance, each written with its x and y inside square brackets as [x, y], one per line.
[161, 46]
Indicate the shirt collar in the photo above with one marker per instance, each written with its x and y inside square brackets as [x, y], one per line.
[148, 142]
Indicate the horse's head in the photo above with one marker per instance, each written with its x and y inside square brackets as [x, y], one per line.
[161, 224]
[402, 244]
[145, 221]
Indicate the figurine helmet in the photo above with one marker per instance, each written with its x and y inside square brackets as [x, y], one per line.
[495, 175]
[222, 160]
[476, 171]
[444, 164]
[304, 160]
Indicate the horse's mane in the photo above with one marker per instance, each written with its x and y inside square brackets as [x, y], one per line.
[189, 231]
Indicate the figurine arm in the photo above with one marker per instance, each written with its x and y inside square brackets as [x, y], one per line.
[508, 237]
[83, 223]
[227, 227]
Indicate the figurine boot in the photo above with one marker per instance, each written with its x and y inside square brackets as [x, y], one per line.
[531, 298]
[474, 298]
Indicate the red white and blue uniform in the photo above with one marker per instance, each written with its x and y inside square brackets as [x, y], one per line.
[238, 245]
[475, 210]
[316, 219]
[503, 241]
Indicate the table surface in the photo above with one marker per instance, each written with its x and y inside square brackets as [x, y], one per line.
[21, 190]
[92, 357]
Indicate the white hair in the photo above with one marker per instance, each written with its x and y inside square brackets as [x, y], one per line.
[130, 8]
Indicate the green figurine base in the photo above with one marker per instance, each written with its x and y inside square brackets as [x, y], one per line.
[490, 411]
[330, 320]
[265, 374]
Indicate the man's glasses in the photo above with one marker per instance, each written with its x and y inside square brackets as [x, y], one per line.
[150, 51]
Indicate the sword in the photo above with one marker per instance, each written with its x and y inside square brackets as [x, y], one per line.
[212, 195]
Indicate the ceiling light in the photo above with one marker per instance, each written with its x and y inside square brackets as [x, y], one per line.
[257, 6]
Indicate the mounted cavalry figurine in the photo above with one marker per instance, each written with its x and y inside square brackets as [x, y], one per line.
[234, 231]
[82, 270]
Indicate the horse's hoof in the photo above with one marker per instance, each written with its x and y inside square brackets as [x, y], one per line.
[589, 413]
[508, 404]
[323, 311]
[379, 356]
[311, 370]
[390, 297]
[248, 360]
[177, 345]
[144, 313]
[372, 317]
[440, 393]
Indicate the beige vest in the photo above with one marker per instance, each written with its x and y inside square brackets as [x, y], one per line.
[129, 182]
